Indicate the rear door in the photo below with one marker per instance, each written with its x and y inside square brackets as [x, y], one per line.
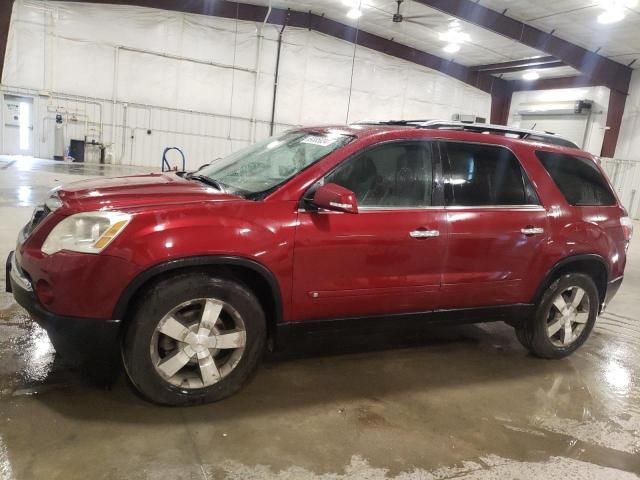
[496, 225]
[385, 259]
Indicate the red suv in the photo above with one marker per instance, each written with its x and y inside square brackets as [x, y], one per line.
[191, 276]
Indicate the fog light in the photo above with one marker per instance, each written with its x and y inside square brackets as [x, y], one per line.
[44, 292]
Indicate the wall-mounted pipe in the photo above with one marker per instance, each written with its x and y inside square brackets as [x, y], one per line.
[143, 130]
[124, 131]
[275, 79]
[160, 54]
[257, 76]
[44, 137]
[101, 103]
[85, 101]
[114, 96]
[116, 62]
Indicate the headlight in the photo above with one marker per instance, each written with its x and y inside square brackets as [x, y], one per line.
[87, 232]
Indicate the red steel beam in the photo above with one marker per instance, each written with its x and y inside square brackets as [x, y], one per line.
[603, 70]
[527, 62]
[500, 105]
[6, 7]
[523, 68]
[553, 83]
[615, 113]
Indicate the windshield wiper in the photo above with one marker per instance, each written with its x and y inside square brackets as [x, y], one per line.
[207, 180]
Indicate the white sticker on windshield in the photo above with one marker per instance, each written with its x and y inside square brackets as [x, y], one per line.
[319, 140]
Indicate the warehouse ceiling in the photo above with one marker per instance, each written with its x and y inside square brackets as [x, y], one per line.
[573, 20]
[576, 21]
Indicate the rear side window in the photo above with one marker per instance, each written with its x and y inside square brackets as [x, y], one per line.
[579, 180]
[485, 175]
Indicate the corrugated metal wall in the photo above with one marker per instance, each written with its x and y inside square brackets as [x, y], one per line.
[141, 131]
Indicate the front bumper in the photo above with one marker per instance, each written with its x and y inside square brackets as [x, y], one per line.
[78, 340]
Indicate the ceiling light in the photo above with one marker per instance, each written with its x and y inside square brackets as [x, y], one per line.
[531, 75]
[611, 16]
[614, 10]
[455, 36]
[354, 13]
[451, 47]
[611, 4]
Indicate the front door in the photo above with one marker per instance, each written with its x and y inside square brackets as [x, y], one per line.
[17, 116]
[385, 259]
[497, 227]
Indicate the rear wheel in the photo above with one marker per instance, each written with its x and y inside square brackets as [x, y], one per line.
[563, 319]
[194, 339]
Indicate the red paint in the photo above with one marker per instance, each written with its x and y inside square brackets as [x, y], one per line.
[615, 112]
[500, 104]
[330, 264]
[335, 197]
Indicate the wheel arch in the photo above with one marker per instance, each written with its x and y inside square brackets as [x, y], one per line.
[254, 275]
[591, 264]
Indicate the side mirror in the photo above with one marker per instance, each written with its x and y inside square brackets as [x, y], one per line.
[336, 198]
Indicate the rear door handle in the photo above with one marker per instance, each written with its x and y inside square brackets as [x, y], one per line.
[424, 233]
[529, 230]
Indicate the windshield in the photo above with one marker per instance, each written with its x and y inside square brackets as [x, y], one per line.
[270, 162]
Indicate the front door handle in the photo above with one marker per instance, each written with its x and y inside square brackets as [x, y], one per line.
[529, 230]
[424, 233]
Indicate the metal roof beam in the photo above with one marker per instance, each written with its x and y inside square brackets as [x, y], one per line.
[497, 71]
[553, 83]
[5, 19]
[526, 62]
[601, 69]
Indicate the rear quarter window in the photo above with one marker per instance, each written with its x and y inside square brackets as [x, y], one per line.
[579, 179]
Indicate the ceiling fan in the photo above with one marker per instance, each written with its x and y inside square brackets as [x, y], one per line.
[399, 18]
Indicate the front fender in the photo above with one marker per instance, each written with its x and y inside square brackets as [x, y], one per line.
[258, 232]
[149, 274]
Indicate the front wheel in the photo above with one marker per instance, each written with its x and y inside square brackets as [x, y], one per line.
[563, 319]
[193, 339]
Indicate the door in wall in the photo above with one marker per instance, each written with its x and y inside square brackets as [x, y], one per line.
[17, 116]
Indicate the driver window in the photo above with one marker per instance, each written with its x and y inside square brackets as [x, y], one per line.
[391, 175]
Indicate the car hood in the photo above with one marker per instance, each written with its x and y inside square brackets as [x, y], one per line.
[137, 191]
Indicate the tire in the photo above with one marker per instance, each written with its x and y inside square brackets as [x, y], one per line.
[553, 311]
[523, 335]
[219, 337]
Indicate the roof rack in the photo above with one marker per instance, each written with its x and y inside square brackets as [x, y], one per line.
[392, 122]
[486, 128]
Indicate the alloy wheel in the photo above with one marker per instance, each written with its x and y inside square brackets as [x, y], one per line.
[568, 316]
[198, 343]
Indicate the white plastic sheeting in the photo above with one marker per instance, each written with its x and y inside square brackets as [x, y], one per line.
[629, 140]
[625, 169]
[190, 80]
[625, 177]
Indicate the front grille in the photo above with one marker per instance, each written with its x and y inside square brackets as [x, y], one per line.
[38, 215]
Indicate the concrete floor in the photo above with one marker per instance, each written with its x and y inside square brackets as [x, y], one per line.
[464, 402]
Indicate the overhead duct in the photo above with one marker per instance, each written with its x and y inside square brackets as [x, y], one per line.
[577, 107]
